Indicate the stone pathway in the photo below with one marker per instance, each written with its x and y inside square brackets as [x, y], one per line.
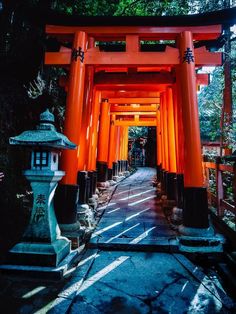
[133, 219]
[130, 266]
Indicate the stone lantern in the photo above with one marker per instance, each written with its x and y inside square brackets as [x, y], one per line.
[42, 243]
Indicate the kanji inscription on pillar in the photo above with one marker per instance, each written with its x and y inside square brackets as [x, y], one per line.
[188, 56]
[78, 53]
[41, 198]
[39, 214]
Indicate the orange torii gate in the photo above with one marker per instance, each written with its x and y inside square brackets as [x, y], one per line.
[107, 91]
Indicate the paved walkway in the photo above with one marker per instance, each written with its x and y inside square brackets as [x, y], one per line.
[131, 266]
[133, 219]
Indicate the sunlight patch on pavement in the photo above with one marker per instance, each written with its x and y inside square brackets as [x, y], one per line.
[113, 210]
[33, 292]
[82, 262]
[135, 195]
[110, 204]
[126, 191]
[141, 236]
[99, 275]
[137, 214]
[141, 201]
[95, 234]
[123, 232]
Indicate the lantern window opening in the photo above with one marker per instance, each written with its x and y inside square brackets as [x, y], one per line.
[41, 159]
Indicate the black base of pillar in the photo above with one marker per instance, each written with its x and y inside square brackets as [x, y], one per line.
[102, 171]
[126, 165]
[65, 203]
[83, 189]
[91, 183]
[158, 173]
[195, 209]
[115, 169]
[109, 174]
[95, 179]
[179, 190]
[163, 181]
[119, 166]
[122, 165]
[170, 185]
[87, 188]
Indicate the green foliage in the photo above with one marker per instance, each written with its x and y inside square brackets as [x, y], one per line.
[210, 102]
[87, 7]
[136, 132]
[149, 8]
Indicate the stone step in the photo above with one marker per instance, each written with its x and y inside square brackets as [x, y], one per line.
[125, 244]
[42, 272]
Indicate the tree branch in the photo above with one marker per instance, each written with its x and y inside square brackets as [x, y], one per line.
[130, 5]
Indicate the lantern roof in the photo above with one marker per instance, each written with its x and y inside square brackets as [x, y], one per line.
[44, 135]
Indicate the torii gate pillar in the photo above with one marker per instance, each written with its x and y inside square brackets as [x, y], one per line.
[67, 191]
[195, 211]
[103, 141]
[171, 175]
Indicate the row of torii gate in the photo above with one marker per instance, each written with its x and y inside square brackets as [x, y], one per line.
[109, 90]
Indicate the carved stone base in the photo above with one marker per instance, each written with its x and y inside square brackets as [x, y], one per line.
[70, 227]
[200, 240]
[85, 215]
[39, 254]
[177, 216]
[93, 202]
[104, 184]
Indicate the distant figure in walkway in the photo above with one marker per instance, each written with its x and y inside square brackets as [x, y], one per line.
[1, 176]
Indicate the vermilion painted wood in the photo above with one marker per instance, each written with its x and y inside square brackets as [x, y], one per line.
[144, 32]
[130, 101]
[112, 143]
[179, 123]
[177, 134]
[92, 155]
[73, 114]
[132, 87]
[129, 94]
[159, 139]
[193, 176]
[103, 134]
[135, 123]
[133, 113]
[171, 130]
[165, 130]
[85, 121]
[126, 141]
[163, 158]
[203, 78]
[169, 58]
[144, 78]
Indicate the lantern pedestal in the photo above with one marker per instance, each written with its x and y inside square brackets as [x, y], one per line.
[42, 247]
[42, 243]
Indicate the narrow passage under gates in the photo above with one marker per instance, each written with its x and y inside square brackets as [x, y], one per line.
[133, 217]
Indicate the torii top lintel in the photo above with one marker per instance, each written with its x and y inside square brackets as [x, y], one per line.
[105, 33]
[206, 26]
[132, 31]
